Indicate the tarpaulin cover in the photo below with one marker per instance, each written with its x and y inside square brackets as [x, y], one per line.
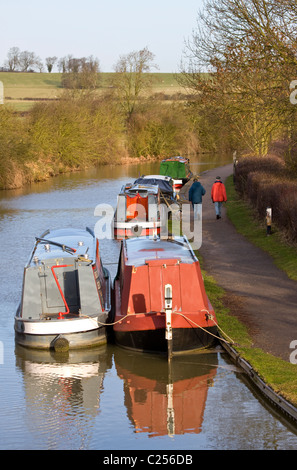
[175, 169]
[164, 185]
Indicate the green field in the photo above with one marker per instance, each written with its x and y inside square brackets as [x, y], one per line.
[22, 90]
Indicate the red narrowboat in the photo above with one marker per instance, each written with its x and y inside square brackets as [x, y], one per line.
[137, 213]
[160, 303]
[175, 395]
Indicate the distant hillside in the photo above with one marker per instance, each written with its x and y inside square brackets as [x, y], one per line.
[21, 90]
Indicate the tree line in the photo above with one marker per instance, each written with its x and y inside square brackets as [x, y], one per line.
[246, 50]
[85, 127]
[241, 66]
[237, 70]
[69, 66]
[26, 61]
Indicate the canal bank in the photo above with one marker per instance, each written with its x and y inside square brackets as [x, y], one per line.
[265, 298]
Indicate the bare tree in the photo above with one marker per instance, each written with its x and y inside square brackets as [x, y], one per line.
[131, 77]
[89, 73]
[38, 63]
[27, 60]
[248, 47]
[50, 62]
[79, 73]
[62, 64]
[13, 59]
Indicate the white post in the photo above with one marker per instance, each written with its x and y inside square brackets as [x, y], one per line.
[168, 313]
[268, 220]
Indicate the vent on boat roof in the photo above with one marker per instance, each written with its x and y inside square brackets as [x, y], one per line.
[152, 249]
[163, 262]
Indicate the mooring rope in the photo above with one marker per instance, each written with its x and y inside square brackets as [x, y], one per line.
[206, 331]
[220, 338]
[104, 324]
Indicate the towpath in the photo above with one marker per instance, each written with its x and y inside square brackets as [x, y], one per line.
[260, 294]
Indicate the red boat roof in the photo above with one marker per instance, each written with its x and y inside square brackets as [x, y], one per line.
[140, 250]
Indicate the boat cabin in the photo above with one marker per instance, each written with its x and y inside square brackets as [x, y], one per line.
[65, 276]
[137, 211]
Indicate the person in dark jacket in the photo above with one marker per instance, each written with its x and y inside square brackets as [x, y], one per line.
[218, 195]
[196, 193]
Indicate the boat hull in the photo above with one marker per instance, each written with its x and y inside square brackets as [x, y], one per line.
[133, 229]
[177, 185]
[183, 340]
[69, 334]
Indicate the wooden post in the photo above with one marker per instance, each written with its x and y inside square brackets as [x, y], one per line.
[235, 161]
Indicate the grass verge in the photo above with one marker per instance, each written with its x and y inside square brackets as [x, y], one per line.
[243, 218]
[280, 375]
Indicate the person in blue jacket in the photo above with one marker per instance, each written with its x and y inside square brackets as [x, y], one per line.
[196, 193]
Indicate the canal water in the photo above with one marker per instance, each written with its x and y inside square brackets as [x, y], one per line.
[109, 398]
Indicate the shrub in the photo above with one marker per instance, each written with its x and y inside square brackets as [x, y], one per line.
[267, 184]
[76, 131]
[15, 149]
[271, 165]
[159, 130]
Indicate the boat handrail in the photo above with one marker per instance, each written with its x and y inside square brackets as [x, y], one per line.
[190, 247]
[185, 243]
[66, 248]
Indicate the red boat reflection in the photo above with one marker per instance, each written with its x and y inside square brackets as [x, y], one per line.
[166, 398]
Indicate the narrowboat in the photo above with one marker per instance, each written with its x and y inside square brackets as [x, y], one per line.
[160, 303]
[137, 212]
[66, 296]
[178, 168]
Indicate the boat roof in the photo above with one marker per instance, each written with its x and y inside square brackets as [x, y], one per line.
[175, 167]
[141, 249]
[177, 159]
[159, 177]
[140, 188]
[64, 243]
[165, 185]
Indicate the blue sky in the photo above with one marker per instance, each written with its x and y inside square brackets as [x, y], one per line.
[105, 29]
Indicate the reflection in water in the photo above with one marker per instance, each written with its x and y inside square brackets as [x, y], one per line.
[165, 398]
[51, 402]
[103, 173]
[63, 392]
